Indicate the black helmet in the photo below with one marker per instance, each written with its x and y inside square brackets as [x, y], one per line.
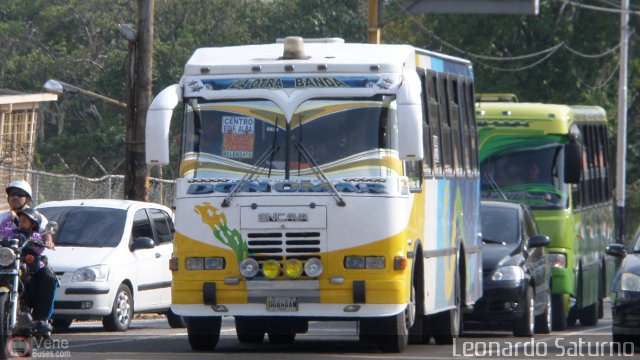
[34, 216]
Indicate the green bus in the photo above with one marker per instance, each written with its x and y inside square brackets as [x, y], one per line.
[555, 159]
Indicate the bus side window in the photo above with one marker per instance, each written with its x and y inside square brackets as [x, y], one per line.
[445, 128]
[433, 108]
[413, 171]
[427, 162]
[454, 121]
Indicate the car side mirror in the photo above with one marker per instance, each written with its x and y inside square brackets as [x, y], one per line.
[142, 243]
[51, 228]
[617, 250]
[538, 241]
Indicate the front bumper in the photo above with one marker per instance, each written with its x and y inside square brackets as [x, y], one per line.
[501, 301]
[79, 300]
[625, 312]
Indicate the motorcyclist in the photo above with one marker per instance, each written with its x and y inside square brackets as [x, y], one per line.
[40, 291]
[18, 198]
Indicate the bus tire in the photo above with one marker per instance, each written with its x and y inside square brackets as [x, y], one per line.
[250, 330]
[281, 330]
[418, 333]
[203, 332]
[392, 333]
[559, 313]
[447, 325]
[589, 315]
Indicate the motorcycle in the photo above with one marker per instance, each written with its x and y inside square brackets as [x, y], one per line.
[16, 331]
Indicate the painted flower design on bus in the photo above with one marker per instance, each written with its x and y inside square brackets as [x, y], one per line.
[217, 220]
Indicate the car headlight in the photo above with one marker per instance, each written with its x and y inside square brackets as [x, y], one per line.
[91, 273]
[7, 256]
[629, 282]
[508, 273]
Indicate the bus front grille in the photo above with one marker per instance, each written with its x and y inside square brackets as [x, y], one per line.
[284, 245]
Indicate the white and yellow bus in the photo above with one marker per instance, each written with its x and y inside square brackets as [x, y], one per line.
[323, 181]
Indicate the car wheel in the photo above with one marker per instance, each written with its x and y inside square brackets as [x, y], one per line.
[543, 321]
[175, 321]
[524, 325]
[61, 324]
[121, 312]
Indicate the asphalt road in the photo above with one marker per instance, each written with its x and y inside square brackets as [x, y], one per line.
[154, 339]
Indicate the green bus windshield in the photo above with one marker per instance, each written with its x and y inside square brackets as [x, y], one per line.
[524, 169]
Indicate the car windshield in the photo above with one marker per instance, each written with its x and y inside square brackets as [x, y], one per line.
[87, 226]
[499, 225]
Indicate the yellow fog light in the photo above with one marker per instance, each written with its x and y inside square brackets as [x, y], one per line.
[271, 269]
[293, 268]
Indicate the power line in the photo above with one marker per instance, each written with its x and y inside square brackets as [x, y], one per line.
[599, 8]
[546, 52]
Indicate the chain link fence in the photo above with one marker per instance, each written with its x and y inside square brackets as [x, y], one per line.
[49, 186]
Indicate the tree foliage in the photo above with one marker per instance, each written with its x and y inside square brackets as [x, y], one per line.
[76, 41]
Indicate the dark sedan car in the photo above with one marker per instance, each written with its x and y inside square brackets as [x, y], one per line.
[516, 276]
[625, 294]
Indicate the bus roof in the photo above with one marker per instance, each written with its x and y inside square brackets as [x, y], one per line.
[533, 112]
[334, 56]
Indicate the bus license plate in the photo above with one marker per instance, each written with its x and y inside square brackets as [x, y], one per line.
[282, 303]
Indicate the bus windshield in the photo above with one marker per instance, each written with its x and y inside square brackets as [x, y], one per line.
[525, 170]
[224, 137]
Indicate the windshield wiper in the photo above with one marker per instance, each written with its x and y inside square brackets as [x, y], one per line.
[494, 186]
[320, 174]
[272, 150]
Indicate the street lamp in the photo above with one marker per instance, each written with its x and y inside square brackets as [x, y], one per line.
[59, 87]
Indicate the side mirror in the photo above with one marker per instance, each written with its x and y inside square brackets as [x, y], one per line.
[538, 241]
[157, 125]
[572, 162]
[409, 113]
[52, 227]
[617, 250]
[142, 243]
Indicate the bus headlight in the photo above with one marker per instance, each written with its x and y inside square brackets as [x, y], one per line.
[557, 260]
[293, 268]
[364, 262]
[6, 257]
[629, 282]
[271, 269]
[249, 267]
[313, 267]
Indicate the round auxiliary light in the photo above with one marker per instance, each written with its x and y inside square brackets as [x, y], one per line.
[313, 267]
[249, 267]
[271, 269]
[6, 257]
[293, 268]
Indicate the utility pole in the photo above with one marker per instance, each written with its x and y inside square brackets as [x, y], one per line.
[621, 151]
[136, 176]
[375, 20]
